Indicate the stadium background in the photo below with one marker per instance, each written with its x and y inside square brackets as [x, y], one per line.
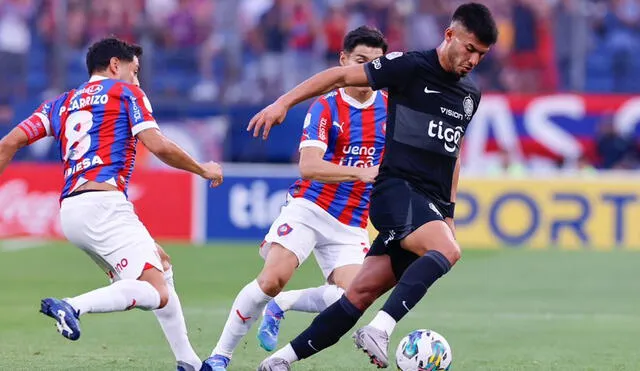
[549, 163]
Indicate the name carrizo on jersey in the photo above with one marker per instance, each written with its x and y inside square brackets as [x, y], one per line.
[429, 111]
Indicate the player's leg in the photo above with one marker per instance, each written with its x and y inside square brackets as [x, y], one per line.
[436, 250]
[172, 321]
[287, 245]
[104, 226]
[279, 266]
[374, 279]
[340, 254]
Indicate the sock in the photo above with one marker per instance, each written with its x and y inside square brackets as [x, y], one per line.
[174, 326]
[313, 300]
[415, 281]
[246, 309]
[120, 295]
[383, 321]
[327, 328]
[287, 353]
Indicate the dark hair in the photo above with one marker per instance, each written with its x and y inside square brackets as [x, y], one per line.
[100, 53]
[364, 35]
[477, 19]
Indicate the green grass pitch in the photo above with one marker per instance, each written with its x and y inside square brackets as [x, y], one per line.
[500, 310]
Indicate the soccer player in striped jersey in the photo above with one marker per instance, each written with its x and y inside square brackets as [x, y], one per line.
[326, 210]
[96, 128]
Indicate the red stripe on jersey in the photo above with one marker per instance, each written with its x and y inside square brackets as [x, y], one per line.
[324, 129]
[344, 140]
[303, 186]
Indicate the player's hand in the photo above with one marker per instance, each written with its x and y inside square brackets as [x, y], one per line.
[272, 115]
[369, 174]
[451, 225]
[213, 172]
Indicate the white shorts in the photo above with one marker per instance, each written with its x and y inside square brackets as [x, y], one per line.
[303, 227]
[104, 225]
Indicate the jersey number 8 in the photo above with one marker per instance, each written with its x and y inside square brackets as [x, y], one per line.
[77, 135]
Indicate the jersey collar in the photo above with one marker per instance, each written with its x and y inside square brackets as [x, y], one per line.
[354, 102]
[95, 78]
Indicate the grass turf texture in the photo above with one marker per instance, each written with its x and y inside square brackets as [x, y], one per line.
[499, 310]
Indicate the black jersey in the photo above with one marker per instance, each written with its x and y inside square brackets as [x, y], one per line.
[429, 110]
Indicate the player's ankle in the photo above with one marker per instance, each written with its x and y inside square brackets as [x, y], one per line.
[383, 322]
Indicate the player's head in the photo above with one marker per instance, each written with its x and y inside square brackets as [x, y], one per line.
[468, 39]
[362, 45]
[115, 59]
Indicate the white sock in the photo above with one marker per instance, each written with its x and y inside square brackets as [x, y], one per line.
[383, 321]
[174, 327]
[246, 309]
[313, 300]
[120, 295]
[287, 353]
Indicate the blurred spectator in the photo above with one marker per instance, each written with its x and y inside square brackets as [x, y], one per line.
[426, 24]
[303, 29]
[614, 150]
[15, 41]
[335, 27]
[215, 50]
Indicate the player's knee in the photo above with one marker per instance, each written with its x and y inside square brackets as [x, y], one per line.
[361, 297]
[164, 297]
[452, 252]
[271, 284]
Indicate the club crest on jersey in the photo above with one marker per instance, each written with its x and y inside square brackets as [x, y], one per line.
[467, 105]
[284, 229]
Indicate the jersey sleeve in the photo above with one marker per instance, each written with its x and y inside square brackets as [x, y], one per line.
[139, 110]
[392, 70]
[38, 125]
[316, 126]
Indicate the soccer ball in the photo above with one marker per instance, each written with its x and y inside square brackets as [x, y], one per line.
[423, 350]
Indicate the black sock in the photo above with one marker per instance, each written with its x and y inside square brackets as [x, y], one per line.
[415, 281]
[327, 328]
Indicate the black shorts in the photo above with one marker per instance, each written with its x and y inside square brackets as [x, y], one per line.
[397, 209]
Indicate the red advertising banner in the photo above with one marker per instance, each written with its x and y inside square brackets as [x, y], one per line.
[29, 201]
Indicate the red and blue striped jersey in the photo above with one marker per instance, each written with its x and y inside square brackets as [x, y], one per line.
[351, 134]
[95, 128]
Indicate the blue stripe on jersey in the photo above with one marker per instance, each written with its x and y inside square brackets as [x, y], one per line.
[344, 190]
[331, 145]
[358, 212]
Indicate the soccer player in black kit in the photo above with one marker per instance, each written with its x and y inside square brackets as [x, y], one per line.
[431, 102]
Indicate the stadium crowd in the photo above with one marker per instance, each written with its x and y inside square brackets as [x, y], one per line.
[239, 52]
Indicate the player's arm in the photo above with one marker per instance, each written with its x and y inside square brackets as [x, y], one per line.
[314, 167]
[34, 128]
[145, 128]
[316, 135]
[9, 145]
[173, 155]
[393, 70]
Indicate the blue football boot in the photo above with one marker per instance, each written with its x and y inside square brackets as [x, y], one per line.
[270, 326]
[216, 363]
[67, 318]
